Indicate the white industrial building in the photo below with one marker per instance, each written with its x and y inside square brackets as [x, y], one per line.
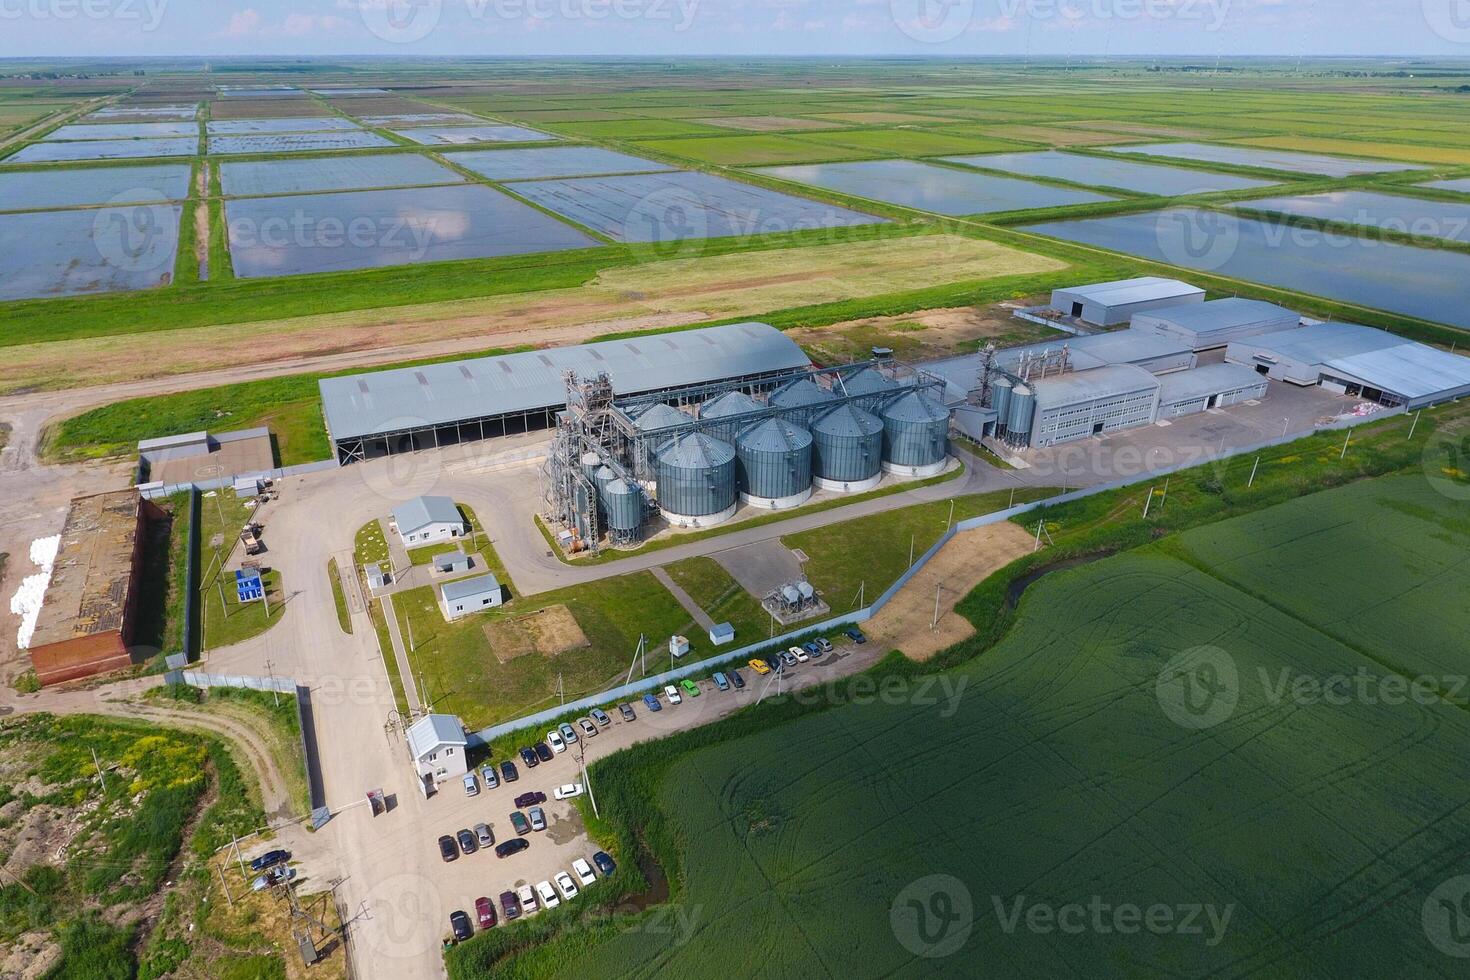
[437, 745]
[1089, 403]
[426, 519]
[1106, 304]
[1361, 361]
[1211, 386]
[470, 595]
[1213, 325]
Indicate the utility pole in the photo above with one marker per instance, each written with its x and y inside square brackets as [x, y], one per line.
[1165, 498]
[950, 523]
[270, 668]
[935, 624]
[223, 885]
[911, 551]
[1251, 482]
[100, 777]
[1039, 525]
[1148, 502]
[1345, 442]
[587, 782]
[1413, 425]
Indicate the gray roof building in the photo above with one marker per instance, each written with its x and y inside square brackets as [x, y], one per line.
[1109, 303]
[432, 732]
[419, 513]
[1206, 326]
[469, 588]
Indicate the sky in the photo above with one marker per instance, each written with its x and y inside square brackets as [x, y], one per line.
[944, 28]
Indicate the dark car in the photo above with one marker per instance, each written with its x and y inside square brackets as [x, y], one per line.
[485, 913]
[270, 859]
[626, 710]
[530, 799]
[519, 823]
[460, 923]
[506, 848]
[652, 703]
[467, 842]
[605, 864]
[737, 680]
[508, 903]
[773, 661]
[508, 771]
[528, 759]
[812, 649]
[856, 635]
[448, 850]
[543, 751]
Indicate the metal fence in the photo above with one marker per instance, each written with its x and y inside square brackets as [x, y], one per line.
[191, 582]
[152, 491]
[199, 678]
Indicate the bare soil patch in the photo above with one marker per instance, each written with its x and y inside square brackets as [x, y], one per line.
[549, 632]
[924, 334]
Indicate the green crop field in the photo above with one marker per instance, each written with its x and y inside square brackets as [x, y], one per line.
[1267, 832]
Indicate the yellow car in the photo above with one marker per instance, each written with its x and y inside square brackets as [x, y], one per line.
[759, 666]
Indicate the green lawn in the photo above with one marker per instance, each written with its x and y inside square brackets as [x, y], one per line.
[725, 599]
[161, 593]
[339, 598]
[915, 142]
[224, 618]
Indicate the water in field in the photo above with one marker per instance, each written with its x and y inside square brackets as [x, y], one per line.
[682, 206]
[452, 135]
[282, 236]
[299, 124]
[553, 161]
[1392, 212]
[124, 113]
[105, 150]
[122, 131]
[1427, 283]
[411, 119]
[1283, 160]
[1462, 185]
[1128, 175]
[294, 142]
[28, 190]
[348, 173]
[66, 253]
[925, 187]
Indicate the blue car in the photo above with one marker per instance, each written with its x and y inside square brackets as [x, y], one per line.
[721, 682]
[812, 649]
[652, 703]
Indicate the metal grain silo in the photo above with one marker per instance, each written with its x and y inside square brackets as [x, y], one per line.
[1022, 410]
[601, 478]
[728, 405]
[915, 435]
[803, 393]
[774, 464]
[696, 481]
[590, 463]
[623, 502]
[872, 386]
[1000, 400]
[847, 450]
[656, 423]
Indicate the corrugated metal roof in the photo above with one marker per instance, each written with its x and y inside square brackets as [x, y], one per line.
[866, 382]
[848, 420]
[1068, 389]
[1322, 342]
[1216, 315]
[803, 391]
[441, 394]
[915, 406]
[774, 436]
[697, 451]
[1211, 379]
[466, 587]
[432, 731]
[1412, 370]
[1122, 292]
[421, 512]
[1096, 350]
[660, 416]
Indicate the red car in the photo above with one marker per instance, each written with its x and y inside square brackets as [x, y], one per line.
[529, 799]
[486, 912]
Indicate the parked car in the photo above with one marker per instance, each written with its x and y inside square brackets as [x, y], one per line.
[487, 774]
[797, 652]
[567, 791]
[543, 751]
[565, 885]
[528, 759]
[527, 897]
[519, 823]
[484, 835]
[626, 710]
[568, 732]
[824, 644]
[600, 717]
[270, 859]
[759, 666]
[547, 895]
[530, 799]
[557, 743]
[583, 871]
[672, 693]
[589, 730]
[605, 864]
[467, 842]
[485, 913]
[774, 661]
[856, 635]
[737, 680]
[459, 923]
[788, 659]
[448, 849]
[812, 649]
[471, 785]
[510, 905]
[274, 876]
[513, 846]
[690, 688]
[538, 818]
[721, 684]
[508, 771]
[652, 703]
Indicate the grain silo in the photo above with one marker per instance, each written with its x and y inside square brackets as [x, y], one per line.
[1019, 418]
[696, 481]
[623, 502]
[601, 478]
[915, 435]
[847, 450]
[1000, 400]
[657, 423]
[872, 386]
[590, 463]
[774, 464]
[803, 393]
[729, 405]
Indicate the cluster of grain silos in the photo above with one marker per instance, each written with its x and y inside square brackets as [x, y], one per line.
[915, 435]
[774, 460]
[618, 501]
[1014, 403]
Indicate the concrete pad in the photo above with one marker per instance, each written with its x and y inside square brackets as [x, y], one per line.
[761, 567]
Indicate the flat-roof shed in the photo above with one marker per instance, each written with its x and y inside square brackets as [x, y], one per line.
[1208, 326]
[400, 410]
[470, 595]
[1360, 361]
[1105, 304]
[1211, 386]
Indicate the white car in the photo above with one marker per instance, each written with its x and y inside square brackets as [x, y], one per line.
[672, 693]
[557, 743]
[801, 655]
[567, 791]
[527, 898]
[566, 886]
[583, 871]
[547, 894]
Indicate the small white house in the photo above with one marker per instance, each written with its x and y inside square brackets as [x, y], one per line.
[426, 519]
[377, 577]
[437, 744]
[470, 595]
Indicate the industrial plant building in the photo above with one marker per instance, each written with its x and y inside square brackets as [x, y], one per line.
[406, 409]
[1106, 304]
[1361, 361]
[1213, 325]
